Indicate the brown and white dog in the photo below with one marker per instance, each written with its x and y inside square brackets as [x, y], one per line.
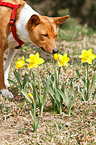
[30, 27]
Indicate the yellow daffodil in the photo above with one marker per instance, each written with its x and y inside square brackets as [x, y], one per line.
[57, 56]
[34, 60]
[64, 60]
[31, 97]
[87, 56]
[20, 63]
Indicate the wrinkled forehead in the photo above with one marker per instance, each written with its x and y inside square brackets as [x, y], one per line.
[48, 25]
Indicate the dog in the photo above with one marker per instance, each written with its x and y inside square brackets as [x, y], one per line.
[30, 26]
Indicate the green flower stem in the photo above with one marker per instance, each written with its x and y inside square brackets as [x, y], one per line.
[55, 106]
[87, 83]
[40, 99]
[39, 83]
[69, 112]
[33, 75]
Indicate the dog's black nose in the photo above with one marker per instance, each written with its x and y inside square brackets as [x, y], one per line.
[55, 51]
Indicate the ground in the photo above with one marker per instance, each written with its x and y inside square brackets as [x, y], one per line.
[80, 127]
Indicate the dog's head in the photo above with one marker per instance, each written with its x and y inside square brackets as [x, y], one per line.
[43, 31]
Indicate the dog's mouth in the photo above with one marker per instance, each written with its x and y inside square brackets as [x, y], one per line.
[43, 49]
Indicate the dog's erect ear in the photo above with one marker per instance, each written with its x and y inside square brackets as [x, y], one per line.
[33, 21]
[60, 20]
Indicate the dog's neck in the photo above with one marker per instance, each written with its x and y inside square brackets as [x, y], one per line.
[22, 32]
[24, 16]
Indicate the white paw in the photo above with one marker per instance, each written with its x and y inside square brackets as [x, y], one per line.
[6, 93]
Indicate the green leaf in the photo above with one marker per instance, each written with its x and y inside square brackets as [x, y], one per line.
[30, 73]
[46, 90]
[37, 123]
[51, 91]
[66, 94]
[55, 77]
[33, 117]
[71, 89]
[76, 91]
[57, 96]
[63, 96]
[59, 72]
[75, 84]
[94, 95]
[71, 93]
[26, 120]
[17, 76]
[79, 77]
[24, 80]
[50, 74]
[44, 95]
[33, 76]
[13, 83]
[35, 92]
[88, 84]
[92, 84]
[26, 95]
[39, 82]
[53, 95]
[63, 85]
[82, 93]
[84, 82]
[63, 89]
[35, 126]
[29, 82]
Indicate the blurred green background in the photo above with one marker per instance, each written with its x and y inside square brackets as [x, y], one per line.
[83, 10]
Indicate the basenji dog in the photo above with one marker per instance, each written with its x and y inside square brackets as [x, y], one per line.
[30, 26]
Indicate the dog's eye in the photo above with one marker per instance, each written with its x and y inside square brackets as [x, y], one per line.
[45, 35]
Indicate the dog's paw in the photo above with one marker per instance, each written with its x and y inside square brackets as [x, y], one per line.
[6, 93]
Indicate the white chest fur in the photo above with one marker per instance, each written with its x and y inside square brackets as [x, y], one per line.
[22, 32]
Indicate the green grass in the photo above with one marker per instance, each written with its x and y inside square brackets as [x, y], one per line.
[79, 127]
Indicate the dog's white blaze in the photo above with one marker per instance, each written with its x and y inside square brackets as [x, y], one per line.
[22, 32]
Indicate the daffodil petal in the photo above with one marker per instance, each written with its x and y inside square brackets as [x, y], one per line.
[90, 51]
[20, 63]
[93, 56]
[65, 54]
[37, 55]
[89, 61]
[31, 55]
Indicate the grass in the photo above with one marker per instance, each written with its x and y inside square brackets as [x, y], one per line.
[79, 127]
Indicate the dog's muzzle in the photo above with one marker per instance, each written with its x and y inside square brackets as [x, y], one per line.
[53, 52]
[42, 49]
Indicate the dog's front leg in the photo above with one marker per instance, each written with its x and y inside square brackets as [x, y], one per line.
[4, 74]
[2, 86]
[10, 56]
